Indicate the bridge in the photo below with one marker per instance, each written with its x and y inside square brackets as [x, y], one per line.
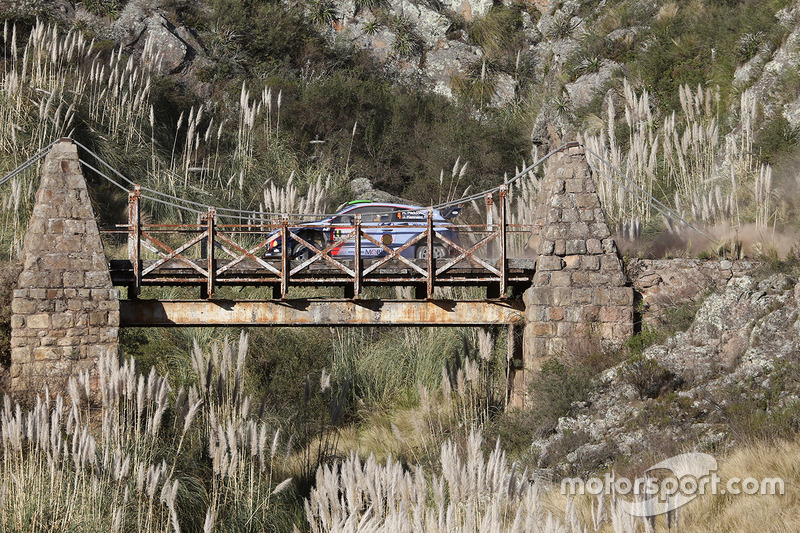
[550, 282]
[210, 255]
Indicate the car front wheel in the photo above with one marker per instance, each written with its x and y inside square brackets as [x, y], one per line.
[439, 251]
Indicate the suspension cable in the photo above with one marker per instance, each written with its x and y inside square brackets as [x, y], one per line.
[506, 183]
[170, 200]
[21, 168]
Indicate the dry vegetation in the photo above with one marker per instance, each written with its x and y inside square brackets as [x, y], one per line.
[711, 183]
[137, 453]
[145, 456]
[195, 452]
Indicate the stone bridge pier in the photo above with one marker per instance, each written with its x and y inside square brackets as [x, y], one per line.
[580, 298]
[65, 310]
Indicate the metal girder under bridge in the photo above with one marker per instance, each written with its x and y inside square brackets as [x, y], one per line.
[345, 312]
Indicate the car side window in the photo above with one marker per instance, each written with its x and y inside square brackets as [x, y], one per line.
[373, 213]
[346, 220]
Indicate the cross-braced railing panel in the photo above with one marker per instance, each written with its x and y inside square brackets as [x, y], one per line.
[425, 253]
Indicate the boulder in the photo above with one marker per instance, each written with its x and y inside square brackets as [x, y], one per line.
[446, 59]
[585, 88]
[164, 46]
[469, 9]
[141, 28]
[431, 26]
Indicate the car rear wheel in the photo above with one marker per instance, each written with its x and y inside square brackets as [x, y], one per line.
[439, 251]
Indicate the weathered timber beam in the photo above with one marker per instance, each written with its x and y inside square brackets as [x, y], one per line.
[320, 312]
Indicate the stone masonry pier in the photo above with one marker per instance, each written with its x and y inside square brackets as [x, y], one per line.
[65, 310]
[579, 289]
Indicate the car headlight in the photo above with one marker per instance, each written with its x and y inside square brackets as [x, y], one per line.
[273, 243]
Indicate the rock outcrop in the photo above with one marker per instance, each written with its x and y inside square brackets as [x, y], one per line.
[150, 33]
[663, 284]
[737, 350]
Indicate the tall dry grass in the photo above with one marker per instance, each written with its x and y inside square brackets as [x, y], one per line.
[756, 513]
[131, 461]
[468, 492]
[681, 159]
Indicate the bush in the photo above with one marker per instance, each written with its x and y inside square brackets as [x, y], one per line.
[766, 411]
[499, 34]
[681, 52]
[270, 32]
[555, 389]
[8, 280]
[646, 375]
[648, 336]
[104, 8]
[775, 137]
[403, 137]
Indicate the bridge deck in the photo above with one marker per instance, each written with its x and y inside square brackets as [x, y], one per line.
[247, 272]
[285, 253]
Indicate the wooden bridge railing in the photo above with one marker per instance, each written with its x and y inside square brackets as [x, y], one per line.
[211, 254]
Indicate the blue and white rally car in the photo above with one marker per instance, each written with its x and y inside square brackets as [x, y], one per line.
[391, 224]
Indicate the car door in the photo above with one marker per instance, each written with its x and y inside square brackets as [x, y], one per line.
[409, 223]
[341, 225]
[377, 223]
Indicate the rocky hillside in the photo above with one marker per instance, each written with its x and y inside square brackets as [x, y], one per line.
[733, 376]
[697, 104]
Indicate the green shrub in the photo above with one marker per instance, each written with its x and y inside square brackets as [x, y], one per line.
[703, 44]
[554, 389]
[104, 8]
[499, 34]
[407, 42]
[8, 280]
[646, 375]
[758, 410]
[775, 138]
[775, 263]
[648, 336]
[273, 32]
[681, 317]
[371, 5]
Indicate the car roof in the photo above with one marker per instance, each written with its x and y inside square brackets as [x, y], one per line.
[355, 204]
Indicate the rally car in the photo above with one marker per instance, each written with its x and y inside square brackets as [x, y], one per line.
[391, 224]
